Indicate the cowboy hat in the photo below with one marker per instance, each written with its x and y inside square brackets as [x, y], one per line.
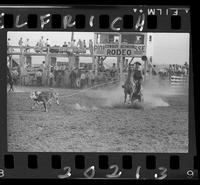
[137, 63]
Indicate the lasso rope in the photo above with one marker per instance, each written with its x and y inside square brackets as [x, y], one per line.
[84, 90]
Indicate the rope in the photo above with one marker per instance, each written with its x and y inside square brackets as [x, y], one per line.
[84, 90]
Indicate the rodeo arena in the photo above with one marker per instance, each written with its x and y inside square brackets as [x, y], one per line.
[99, 95]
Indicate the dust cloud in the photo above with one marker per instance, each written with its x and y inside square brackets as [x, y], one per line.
[154, 95]
[77, 106]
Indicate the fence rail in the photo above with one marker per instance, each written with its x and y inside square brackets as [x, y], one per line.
[177, 81]
[17, 50]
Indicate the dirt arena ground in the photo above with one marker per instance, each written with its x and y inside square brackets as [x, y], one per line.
[97, 121]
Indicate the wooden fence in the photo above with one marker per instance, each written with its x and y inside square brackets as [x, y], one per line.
[177, 81]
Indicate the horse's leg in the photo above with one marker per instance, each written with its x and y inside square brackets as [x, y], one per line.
[132, 98]
[125, 96]
[45, 106]
[142, 97]
[12, 87]
[33, 105]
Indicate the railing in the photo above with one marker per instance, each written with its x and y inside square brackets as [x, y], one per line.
[176, 81]
[12, 50]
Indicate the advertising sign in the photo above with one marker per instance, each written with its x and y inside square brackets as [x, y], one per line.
[123, 50]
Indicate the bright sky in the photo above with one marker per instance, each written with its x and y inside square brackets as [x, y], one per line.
[169, 48]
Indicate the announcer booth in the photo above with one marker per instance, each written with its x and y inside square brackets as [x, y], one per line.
[124, 46]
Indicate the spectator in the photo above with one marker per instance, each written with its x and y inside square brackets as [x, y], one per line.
[124, 41]
[91, 46]
[72, 78]
[73, 43]
[8, 42]
[27, 45]
[39, 77]
[83, 79]
[102, 68]
[69, 44]
[78, 76]
[84, 44]
[41, 42]
[116, 41]
[8, 45]
[51, 78]
[20, 42]
[87, 78]
[43, 65]
[184, 70]
[59, 79]
[179, 70]
[85, 67]
[111, 41]
[65, 45]
[187, 67]
[47, 43]
[66, 77]
[173, 69]
[63, 67]
[80, 44]
[113, 70]
[56, 68]
[138, 39]
[170, 70]
[92, 78]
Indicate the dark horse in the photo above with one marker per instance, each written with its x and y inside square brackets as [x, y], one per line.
[133, 90]
[128, 89]
[10, 80]
[137, 94]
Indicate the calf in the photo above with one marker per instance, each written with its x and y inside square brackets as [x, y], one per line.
[44, 97]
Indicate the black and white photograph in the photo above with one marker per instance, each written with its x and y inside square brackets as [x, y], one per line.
[98, 92]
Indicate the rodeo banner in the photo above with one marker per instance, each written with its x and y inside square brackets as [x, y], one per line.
[120, 50]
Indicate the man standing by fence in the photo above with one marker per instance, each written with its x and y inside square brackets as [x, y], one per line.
[83, 77]
[72, 78]
[39, 77]
[51, 78]
[92, 78]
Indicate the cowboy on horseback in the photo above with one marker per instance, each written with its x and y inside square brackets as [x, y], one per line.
[137, 79]
[133, 90]
[128, 85]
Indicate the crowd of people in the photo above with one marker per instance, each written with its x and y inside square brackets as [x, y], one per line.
[75, 78]
[42, 45]
[174, 70]
[179, 70]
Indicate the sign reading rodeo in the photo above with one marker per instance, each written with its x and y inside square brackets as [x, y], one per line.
[124, 50]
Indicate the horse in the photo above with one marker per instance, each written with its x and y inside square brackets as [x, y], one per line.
[137, 93]
[128, 89]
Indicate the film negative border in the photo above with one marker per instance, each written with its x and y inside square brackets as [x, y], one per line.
[126, 19]
[125, 166]
[96, 165]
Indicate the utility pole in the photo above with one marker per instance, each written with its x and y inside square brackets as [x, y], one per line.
[72, 36]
